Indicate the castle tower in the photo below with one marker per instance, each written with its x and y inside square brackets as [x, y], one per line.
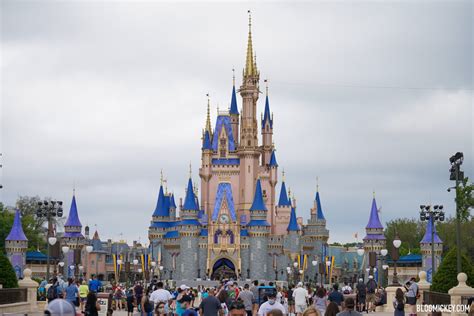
[267, 133]
[282, 210]
[16, 244]
[272, 168]
[234, 112]
[258, 230]
[292, 246]
[315, 234]
[248, 150]
[205, 172]
[426, 251]
[375, 238]
[189, 229]
[73, 238]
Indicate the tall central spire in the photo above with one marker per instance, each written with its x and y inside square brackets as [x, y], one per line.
[250, 65]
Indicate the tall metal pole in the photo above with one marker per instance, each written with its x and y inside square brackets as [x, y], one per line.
[458, 224]
[433, 268]
[47, 246]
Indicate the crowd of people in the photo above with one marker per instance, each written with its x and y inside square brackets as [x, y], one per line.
[228, 298]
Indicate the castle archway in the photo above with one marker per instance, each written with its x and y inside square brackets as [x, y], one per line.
[222, 269]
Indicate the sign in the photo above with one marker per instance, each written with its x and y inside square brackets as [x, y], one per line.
[103, 299]
[429, 275]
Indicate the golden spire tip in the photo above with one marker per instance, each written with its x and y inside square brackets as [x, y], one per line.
[317, 184]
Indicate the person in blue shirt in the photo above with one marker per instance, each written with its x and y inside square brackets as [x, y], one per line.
[94, 284]
[335, 295]
[71, 292]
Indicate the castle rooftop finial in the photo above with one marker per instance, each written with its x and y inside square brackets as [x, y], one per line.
[283, 175]
[208, 118]
[190, 170]
[266, 85]
[317, 184]
[250, 65]
[161, 176]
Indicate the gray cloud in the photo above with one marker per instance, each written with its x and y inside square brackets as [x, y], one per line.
[367, 96]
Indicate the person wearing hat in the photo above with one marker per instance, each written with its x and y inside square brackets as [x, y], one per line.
[182, 290]
[361, 292]
[349, 305]
[270, 305]
[185, 303]
[60, 307]
[371, 288]
[300, 294]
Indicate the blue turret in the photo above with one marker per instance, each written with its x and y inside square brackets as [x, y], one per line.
[190, 200]
[16, 233]
[266, 115]
[206, 143]
[374, 221]
[16, 244]
[319, 209]
[293, 224]
[233, 103]
[161, 209]
[73, 226]
[258, 203]
[273, 161]
[283, 201]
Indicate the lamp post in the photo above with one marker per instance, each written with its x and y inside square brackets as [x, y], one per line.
[395, 256]
[65, 250]
[383, 254]
[432, 214]
[315, 264]
[328, 275]
[458, 176]
[89, 249]
[49, 210]
[119, 263]
[360, 253]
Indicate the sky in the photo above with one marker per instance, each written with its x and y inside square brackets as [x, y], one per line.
[366, 95]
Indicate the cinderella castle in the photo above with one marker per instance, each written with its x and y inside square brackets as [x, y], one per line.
[237, 227]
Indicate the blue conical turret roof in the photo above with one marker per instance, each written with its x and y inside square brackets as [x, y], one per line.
[233, 103]
[427, 237]
[374, 221]
[161, 208]
[319, 213]
[266, 114]
[273, 161]
[258, 204]
[293, 224]
[206, 143]
[16, 234]
[283, 201]
[172, 202]
[190, 200]
[73, 218]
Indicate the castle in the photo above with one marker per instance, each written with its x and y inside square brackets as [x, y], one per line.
[239, 229]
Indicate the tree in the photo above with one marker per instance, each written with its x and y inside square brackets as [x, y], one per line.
[465, 199]
[447, 233]
[445, 277]
[7, 274]
[410, 232]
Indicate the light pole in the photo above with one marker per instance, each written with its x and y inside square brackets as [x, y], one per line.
[328, 275]
[65, 250]
[383, 253]
[89, 249]
[458, 176]
[49, 209]
[431, 215]
[395, 256]
[360, 253]
[315, 264]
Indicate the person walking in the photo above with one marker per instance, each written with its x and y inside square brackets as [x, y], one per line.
[399, 303]
[332, 309]
[147, 305]
[320, 300]
[270, 305]
[83, 292]
[349, 305]
[210, 306]
[336, 296]
[247, 298]
[71, 292]
[361, 293]
[138, 293]
[92, 307]
[300, 294]
[371, 288]
[412, 294]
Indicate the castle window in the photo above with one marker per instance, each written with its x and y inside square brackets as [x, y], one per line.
[248, 143]
[223, 147]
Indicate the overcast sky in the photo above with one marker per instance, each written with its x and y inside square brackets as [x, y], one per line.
[366, 96]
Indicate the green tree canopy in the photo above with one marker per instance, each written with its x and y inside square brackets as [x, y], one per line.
[410, 232]
[7, 274]
[446, 276]
[465, 199]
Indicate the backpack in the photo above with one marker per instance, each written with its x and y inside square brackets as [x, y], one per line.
[371, 285]
[52, 292]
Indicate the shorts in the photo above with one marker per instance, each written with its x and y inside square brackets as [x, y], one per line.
[371, 297]
[299, 308]
[291, 303]
[411, 300]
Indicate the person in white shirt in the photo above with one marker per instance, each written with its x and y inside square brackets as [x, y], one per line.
[346, 289]
[161, 295]
[300, 295]
[270, 305]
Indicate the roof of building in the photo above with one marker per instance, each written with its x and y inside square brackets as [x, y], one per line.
[273, 160]
[204, 232]
[206, 143]
[223, 122]
[267, 115]
[374, 237]
[190, 200]
[161, 209]
[190, 222]
[36, 256]
[374, 221]
[171, 234]
[410, 258]
[73, 234]
[16, 233]
[233, 102]
[293, 224]
[427, 237]
[319, 210]
[224, 195]
[258, 203]
[258, 222]
[226, 161]
[244, 232]
[172, 202]
[73, 218]
[283, 201]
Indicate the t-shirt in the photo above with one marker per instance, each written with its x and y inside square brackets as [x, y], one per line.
[300, 294]
[254, 290]
[160, 295]
[189, 312]
[210, 306]
[94, 285]
[71, 293]
[361, 289]
[83, 291]
[349, 313]
[412, 290]
[336, 297]
[266, 307]
[247, 297]
[320, 303]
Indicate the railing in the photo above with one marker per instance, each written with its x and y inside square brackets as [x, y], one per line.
[10, 296]
[436, 298]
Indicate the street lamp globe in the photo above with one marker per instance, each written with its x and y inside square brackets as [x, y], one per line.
[119, 261]
[384, 252]
[385, 266]
[89, 248]
[295, 264]
[301, 271]
[81, 268]
[368, 269]
[375, 269]
[314, 262]
[135, 261]
[72, 267]
[65, 249]
[153, 264]
[161, 268]
[328, 263]
[288, 269]
[140, 270]
[61, 264]
[360, 251]
[397, 242]
[52, 240]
